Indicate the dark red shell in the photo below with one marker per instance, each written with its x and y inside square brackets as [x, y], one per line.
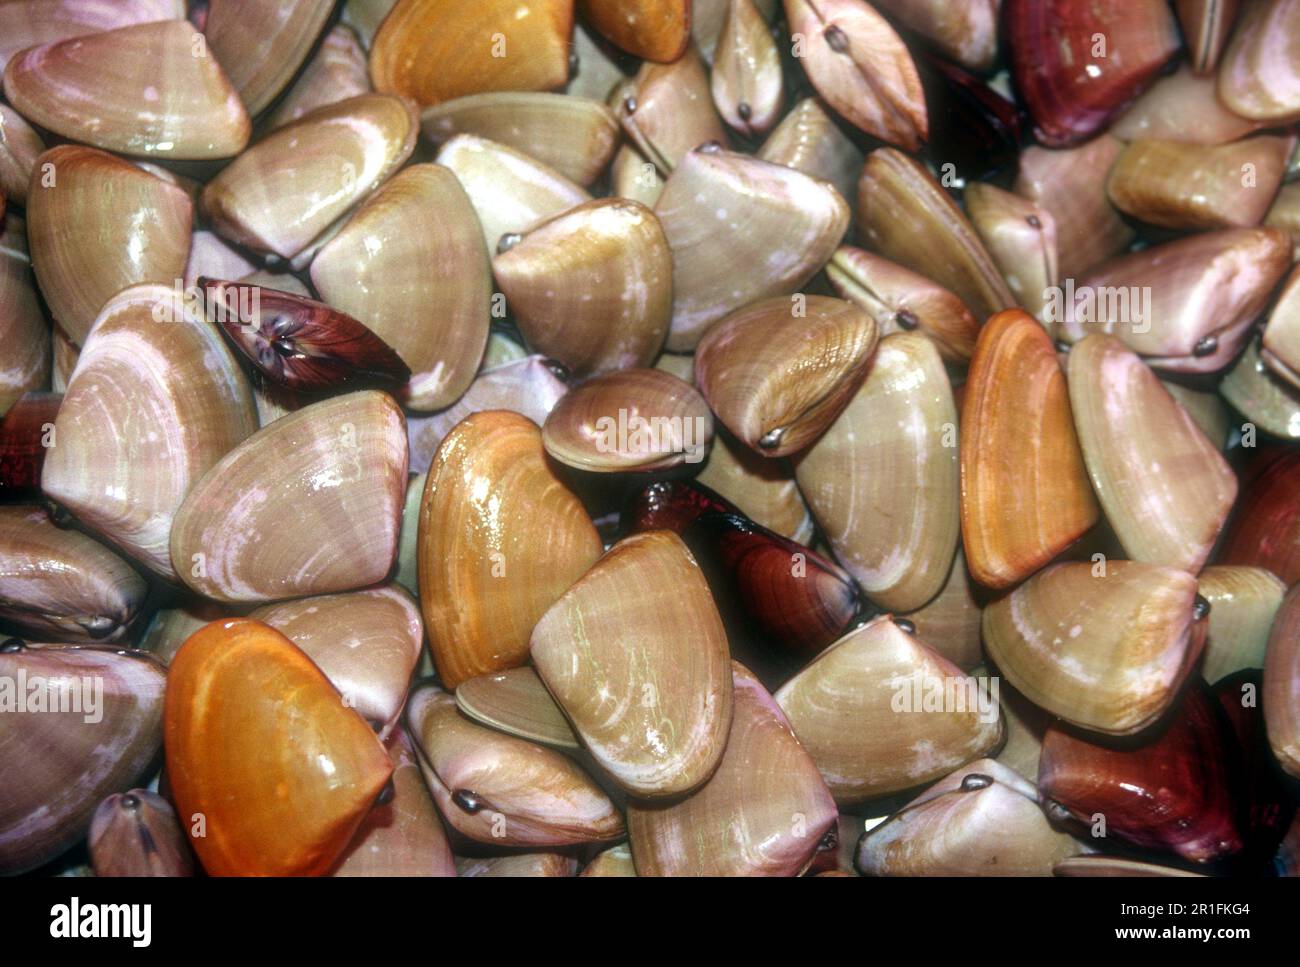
[300, 343]
[672, 505]
[23, 444]
[1266, 529]
[1174, 793]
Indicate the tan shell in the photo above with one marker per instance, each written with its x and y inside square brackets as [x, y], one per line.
[1206, 25]
[528, 386]
[1280, 345]
[900, 299]
[60, 585]
[594, 69]
[615, 861]
[764, 812]
[518, 865]
[140, 90]
[1024, 492]
[746, 78]
[809, 140]
[1183, 106]
[636, 655]
[1282, 685]
[862, 68]
[23, 330]
[882, 481]
[633, 177]
[591, 287]
[497, 789]
[411, 266]
[652, 29]
[1021, 237]
[964, 30]
[763, 489]
[906, 217]
[155, 401]
[950, 622]
[509, 190]
[436, 50]
[780, 371]
[26, 23]
[516, 702]
[310, 504]
[337, 72]
[1165, 488]
[1285, 214]
[262, 46]
[1194, 187]
[574, 135]
[1070, 183]
[287, 189]
[983, 820]
[367, 643]
[1105, 646]
[171, 627]
[403, 837]
[632, 419]
[1243, 603]
[501, 538]
[1258, 77]
[726, 213]
[1262, 396]
[667, 110]
[1206, 408]
[97, 224]
[408, 542]
[20, 146]
[1198, 297]
[856, 710]
[213, 258]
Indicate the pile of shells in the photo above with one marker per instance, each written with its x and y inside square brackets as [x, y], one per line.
[650, 437]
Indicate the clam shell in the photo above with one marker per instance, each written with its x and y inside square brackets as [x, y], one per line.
[861, 67]
[501, 538]
[1025, 724]
[1072, 83]
[262, 46]
[436, 50]
[1194, 187]
[138, 90]
[1266, 529]
[591, 287]
[1185, 107]
[1172, 793]
[509, 190]
[61, 764]
[963, 30]
[60, 585]
[404, 837]
[725, 213]
[1108, 866]
[1071, 185]
[337, 71]
[655, 30]
[982, 820]
[901, 300]
[1285, 214]
[23, 330]
[636, 655]
[906, 217]
[1024, 492]
[408, 542]
[1282, 685]
[764, 490]
[520, 865]
[1105, 651]
[633, 177]
[497, 789]
[1206, 25]
[1204, 291]
[130, 228]
[516, 702]
[1243, 602]
[779, 371]
[1258, 76]
[1206, 408]
[1261, 396]
[20, 146]
[249, 717]
[25, 431]
[667, 110]
[411, 265]
[574, 135]
[1021, 238]
[212, 258]
[310, 504]
[632, 419]
[287, 189]
[1280, 345]
[615, 861]
[26, 23]
[594, 67]
[858, 711]
[808, 139]
[950, 622]
[764, 812]
[155, 401]
[882, 482]
[365, 16]
[367, 643]
[136, 833]
[1165, 488]
[746, 79]
[171, 627]
[528, 386]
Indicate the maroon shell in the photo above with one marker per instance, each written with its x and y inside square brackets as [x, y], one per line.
[1266, 529]
[24, 441]
[672, 505]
